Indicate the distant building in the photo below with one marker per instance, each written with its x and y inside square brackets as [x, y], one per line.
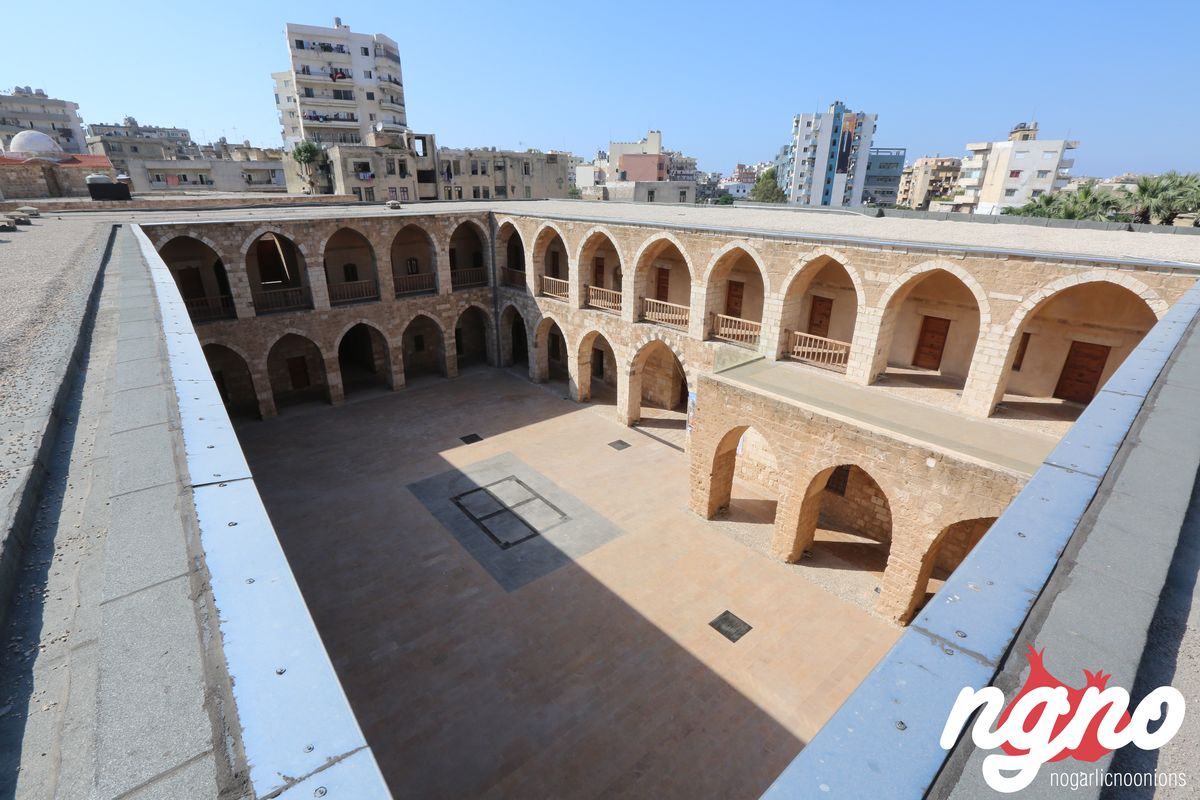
[340, 85]
[885, 165]
[657, 172]
[34, 165]
[400, 166]
[33, 110]
[129, 140]
[488, 173]
[999, 175]
[825, 162]
[642, 167]
[643, 191]
[927, 179]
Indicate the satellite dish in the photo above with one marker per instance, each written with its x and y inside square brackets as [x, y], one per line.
[377, 127]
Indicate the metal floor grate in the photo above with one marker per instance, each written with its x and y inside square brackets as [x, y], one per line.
[471, 438]
[730, 626]
[619, 444]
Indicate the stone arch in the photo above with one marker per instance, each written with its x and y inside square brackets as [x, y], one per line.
[816, 303]
[947, 349]
[1030, 303]
[364, 356]
[543, 238]
[244, 250]
[423, 343]
[854, 510]
[467, 253]
[597, 358]
[736, 316]
[413, 254]
[594, 270]
[201, 276]
[474, 343]
[717, 490]
[658, 377]
[351, 266]
[296, 368]
[679, 291]
[514, 337]
[511, 254]
[233, 377]
[275, 284]
[551, 356]
[746, 247]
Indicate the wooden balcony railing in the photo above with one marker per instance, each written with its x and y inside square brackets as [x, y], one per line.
[818, 351]
[665, 313]
[271, 300]
[468, 278]
[512, 277]
[555, 287]
[204, 309]
[737, 330]
[416, 284]
[604, 299]
[352, 292]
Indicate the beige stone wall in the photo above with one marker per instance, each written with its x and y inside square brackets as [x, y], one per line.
[863, 508]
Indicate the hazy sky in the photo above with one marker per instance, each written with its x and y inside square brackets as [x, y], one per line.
[720, 85]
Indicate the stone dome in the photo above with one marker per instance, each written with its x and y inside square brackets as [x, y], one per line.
[34, 143]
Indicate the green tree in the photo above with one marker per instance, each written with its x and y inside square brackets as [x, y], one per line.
[1154, 199]
[766, 189]
[305, 154]
[724, 200]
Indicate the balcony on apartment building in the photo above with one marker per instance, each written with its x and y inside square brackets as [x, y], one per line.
[308, 72]
[336, 118]
[387, 53]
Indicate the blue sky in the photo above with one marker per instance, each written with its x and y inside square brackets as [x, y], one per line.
[1117, 76]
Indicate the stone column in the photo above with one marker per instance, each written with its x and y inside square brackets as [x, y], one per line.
[769, 342]
[396, 364]
[868, 355]
[697, 313]
[629, 394]
[910, 563]
[579, 370]
[333, 380]
[990, 366]
[796, 522]
[384, 278]
[445, 284]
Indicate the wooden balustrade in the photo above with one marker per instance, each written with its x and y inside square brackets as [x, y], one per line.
[736, 330]
[289, 299]
[554, 287]
[415, 284]
[604, 299]
[352, 292]
[512, 277]
[468, 278]
[204, 309]
[818, 351]
[665, 313]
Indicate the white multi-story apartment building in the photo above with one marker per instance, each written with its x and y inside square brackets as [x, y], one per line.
[825, 162]
[33, 110]
[999, 175]
[341, 85]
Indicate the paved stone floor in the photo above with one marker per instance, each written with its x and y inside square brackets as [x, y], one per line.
[598, 678]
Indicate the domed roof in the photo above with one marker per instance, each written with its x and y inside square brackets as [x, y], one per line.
[33, 143]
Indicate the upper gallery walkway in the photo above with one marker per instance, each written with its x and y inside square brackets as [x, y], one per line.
[989, 442]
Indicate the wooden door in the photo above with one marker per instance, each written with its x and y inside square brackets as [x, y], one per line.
[931, 343]
[734, 291]
[662, 284]
[298, 372]
[818, 316]
[191, 285]
[1081, 374]
[598, 273]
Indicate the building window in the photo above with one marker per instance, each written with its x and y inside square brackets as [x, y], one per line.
[343, 94]
[458, 195]
[370, 95]
[474, 167]
[299, 44]
[357, 192]
[365, 52]
[1021, 348]
[367, 74]
[650, 196]
[483, 168]
[448, 193]
[308, 92]
[1043, 173]
[838, 480]
[486, 193]
[528, 192]
[1010, 192]
[683, 195]
[501, 191]
[525, 168]
[369, 194]
[404, 193]
[1014, 173]
[390, 166]
[456, 167]
[403, 164]
[1038, 192]
[475, 192]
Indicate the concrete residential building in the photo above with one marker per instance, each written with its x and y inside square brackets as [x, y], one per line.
[488, 173]
[130, 140]
[825, 162]
[387, 166]
[33, 110]
[885, 165]
[340, 85]
[1000, 175]
[927, 178]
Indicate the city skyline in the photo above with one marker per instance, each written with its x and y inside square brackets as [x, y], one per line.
[490, 85]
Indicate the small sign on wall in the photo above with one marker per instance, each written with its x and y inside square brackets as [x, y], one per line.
[691, 409]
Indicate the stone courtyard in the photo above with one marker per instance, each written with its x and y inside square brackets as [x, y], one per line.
[567, 651]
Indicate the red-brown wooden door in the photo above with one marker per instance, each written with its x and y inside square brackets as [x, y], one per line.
[931, 343]
[1081, 373]
[734, 292]
[818, 316]
[662, 284]
[598, 273]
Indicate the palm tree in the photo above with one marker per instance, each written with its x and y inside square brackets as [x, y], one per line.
[1044, 205]
[1154, 197]
[1089, 204]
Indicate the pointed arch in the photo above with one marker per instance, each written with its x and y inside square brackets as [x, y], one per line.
[746, 247]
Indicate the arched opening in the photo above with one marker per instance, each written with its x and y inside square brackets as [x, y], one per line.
[467, 267]
[363, 359]
[744, 482]
[200, 275]
[350, 268]
[424, 349]
[599, 271]
[414, 261]
[948, 550]
[734, 299]
[297, 371]
[471, 334]
[845, 523]
[278, 279]
[1068, 346]
[512, 250]
[663, 285]
[234, 382]
[550, 264]
[658, 392]
[820, 309]
[596, 371]
[553, 363]
[514, 342]
[929, 331]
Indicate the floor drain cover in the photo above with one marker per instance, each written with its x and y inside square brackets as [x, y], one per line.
[471, 438]
[730, 626]
[619, 444]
